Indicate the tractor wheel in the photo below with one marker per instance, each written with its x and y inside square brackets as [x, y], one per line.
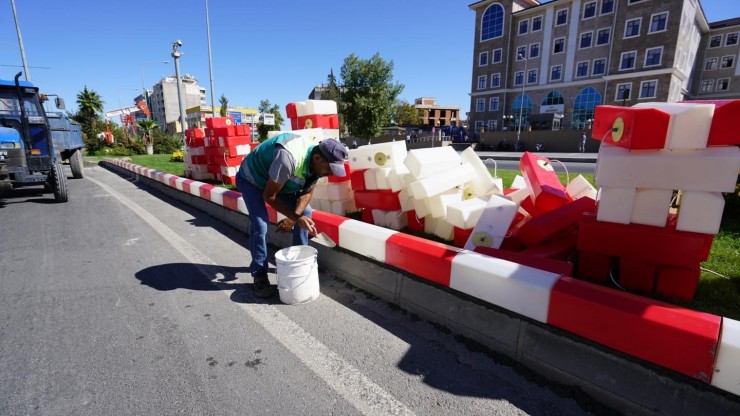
[75, 162]
[59, 182]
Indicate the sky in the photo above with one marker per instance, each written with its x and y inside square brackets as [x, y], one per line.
[260, 49]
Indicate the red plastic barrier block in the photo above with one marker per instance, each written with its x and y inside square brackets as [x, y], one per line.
[663, 246]
[543, 182]
[271, 213]
[632, 128]
[290, 111]
[677, 283]
[231, 200]
[231, 161]
[593, 266]
[233, 141]
[213, 168]
[636, 275]
[358, 179]
[723, 131]
[243, 130]
[214, 151]
[328, 224]
[228, 180]
[381, 199]
[460, 236]
[196, 133]
[531, 208]
[667, 335]
[345, 178]
[186, 185]
[544, 226]
[173, 181]
[199, 159]
[224, 131]
[560, 247]
[195, 142]
[415, 223]
[213, 122]
[313, 121]
[424, 258]
[512, 243]
[205, 191]
[367, 216]
[253, 145]
[551, 265]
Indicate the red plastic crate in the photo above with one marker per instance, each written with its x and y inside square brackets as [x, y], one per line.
[636, 275]
[544, 183]
[381, 199]
[213, 122]
[677, 282]
[632, 128]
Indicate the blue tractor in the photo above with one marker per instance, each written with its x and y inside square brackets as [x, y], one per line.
[27, 153]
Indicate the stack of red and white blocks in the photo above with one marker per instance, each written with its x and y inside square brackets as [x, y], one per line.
[226, 144]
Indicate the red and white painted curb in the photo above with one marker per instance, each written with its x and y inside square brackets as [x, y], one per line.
[700, 345]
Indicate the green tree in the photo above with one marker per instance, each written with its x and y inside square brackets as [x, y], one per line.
[333, 93]
[90, 105]
[224, 106]
[266, 108]
[368, 94]
[405, 113]
[147, 127]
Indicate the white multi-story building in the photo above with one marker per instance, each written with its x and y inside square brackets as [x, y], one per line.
[164, 103]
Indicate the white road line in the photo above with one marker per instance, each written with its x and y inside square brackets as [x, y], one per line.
[366, 396]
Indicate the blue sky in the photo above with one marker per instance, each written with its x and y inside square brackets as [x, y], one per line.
[260, 50]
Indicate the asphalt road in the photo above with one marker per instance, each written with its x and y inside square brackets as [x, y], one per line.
[124, 302]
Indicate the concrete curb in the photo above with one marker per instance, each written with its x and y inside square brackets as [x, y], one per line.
[614, 378]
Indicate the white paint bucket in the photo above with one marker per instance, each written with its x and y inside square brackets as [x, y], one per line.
[297, 274]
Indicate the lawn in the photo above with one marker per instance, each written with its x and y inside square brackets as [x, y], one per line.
[719, 289]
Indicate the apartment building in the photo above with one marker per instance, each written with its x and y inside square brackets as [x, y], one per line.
[565, 57]
[436, 115]
[164, 103]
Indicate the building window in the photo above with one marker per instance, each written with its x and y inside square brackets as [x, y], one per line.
[647, 89]
[553, 98]
[710, 64]
[559, 45]
[658, 22]
[536, 23]
[599, 67]
[562, 17]
[589, 10]
[632, 28]
[723, 84]
[627, 60]
[521, 53]
[534, 50]
[727, 61]
[495, 80]
[582, 69]
[524, 26]
[623, 92]
[607, 6]
[584, 106]
[707, 85]
[491, 125]
[731, 39]
[492, 22]
[602, 37]
[715, 41]
[482, 82]
[634, 1]
[653, 56]
[519, 78]
[532, 76]
[479, 126]
[522, 108]
[480, 105]
[497, 56]
[585, 40]
[493, 104]
[483, 59]
[556, 73]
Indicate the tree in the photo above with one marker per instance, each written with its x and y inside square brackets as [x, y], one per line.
[405, 113]
[333, 93]
[368, 94]
[224, 106]
[266, 108]
[90, 105]
[147, 127]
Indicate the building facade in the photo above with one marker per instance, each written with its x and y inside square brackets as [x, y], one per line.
[164, 103]
[434, 115]
[566, 57]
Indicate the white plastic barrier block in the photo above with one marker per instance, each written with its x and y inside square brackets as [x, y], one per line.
[407, 203]
[382, 177]
[438, 203]
[311, 107]
[178, 183]
[712, 170]
[482, 183]
[241, 206]
[229, 170]
[426, 162]
[217, 195]
[337, 191]
[444, 230]
[651, 207]
[364, 239]
[465, 214]
[343, 207]
[379, 218]
[520, 289]
[442, 181]
[430, 224]
[422, 208]
[381, 155]
[321, 204]
[371, 180]
[242, 149]
[519, 195]
[197, 151]
[727, 368]
[519, 182]
[579, 187]
[493, 223]
[689, 124]
[320, 190]
[615, 204]
[700, 212]
[396, 220]
[397, 178]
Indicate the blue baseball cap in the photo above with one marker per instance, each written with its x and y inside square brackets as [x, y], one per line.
[335, 153]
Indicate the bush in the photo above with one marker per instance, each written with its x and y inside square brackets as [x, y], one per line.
[177, 156]
[164, 144]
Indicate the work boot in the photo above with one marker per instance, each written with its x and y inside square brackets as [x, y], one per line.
[262, 286]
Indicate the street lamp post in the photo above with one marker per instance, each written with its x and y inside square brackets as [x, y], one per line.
[20, 42]
[143, 85]
[521, 103]
[176, 55]
[210, 62]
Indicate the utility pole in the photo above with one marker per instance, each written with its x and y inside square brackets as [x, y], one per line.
[176, 55]
[210, 62]
[20, 42]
